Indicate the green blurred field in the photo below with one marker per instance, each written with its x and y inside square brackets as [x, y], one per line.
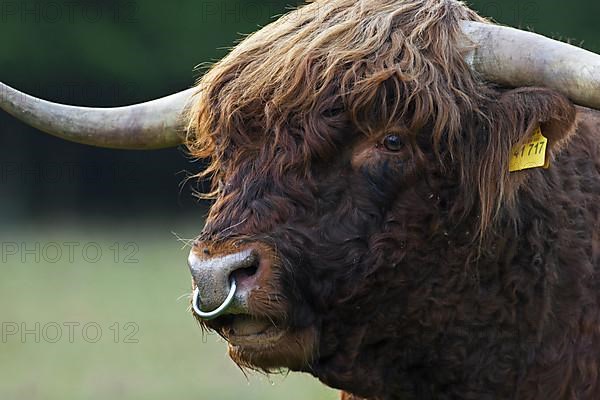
[171, 359]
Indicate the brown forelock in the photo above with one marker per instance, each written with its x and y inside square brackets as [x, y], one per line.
[333, 69]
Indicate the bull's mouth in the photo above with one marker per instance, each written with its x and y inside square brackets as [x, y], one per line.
[265, 343]
[251, 332]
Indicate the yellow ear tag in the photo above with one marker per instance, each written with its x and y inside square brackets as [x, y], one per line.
[531, 154]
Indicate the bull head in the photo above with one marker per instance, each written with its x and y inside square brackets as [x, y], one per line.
[293, 226]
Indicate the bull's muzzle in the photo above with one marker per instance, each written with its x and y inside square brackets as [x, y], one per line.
[222, 283]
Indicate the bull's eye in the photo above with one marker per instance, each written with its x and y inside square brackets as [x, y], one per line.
[393, 143]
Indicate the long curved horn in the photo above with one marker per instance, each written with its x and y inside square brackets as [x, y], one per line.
[518, 58]
[153, 125]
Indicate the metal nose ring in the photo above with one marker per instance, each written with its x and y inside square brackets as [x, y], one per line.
[208, 315]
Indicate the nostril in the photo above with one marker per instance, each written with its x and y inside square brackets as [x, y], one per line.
[246, 273]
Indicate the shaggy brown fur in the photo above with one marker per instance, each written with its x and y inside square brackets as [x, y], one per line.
[430, 272]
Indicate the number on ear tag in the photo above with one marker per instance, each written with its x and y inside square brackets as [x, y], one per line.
[531, 154]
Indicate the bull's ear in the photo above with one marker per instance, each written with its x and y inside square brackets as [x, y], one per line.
[525, 110]
[510, 122]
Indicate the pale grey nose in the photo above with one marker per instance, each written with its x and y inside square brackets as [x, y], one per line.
[213, 278]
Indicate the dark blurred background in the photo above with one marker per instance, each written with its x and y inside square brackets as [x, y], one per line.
[117, 52]
[86, 234]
